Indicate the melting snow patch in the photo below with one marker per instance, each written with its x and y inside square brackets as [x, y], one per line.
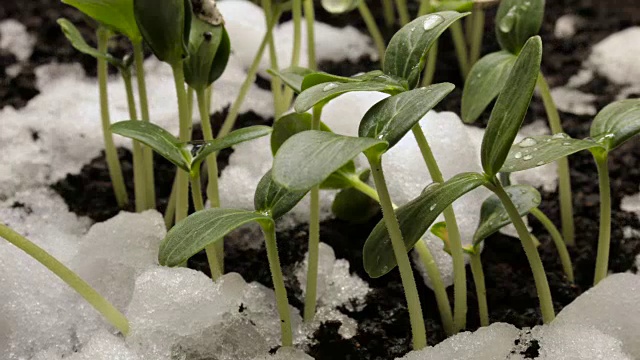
[631, 204]
[616, 57]
[574, 101]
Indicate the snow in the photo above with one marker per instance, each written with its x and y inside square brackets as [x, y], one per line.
[631, 204]
[616, 56]
[574, 101]
[566, 26]
[15, 39]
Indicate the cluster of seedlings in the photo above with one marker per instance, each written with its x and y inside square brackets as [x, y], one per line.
[308, 157]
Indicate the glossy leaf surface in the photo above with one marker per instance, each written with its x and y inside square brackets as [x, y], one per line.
[233, 138]
[617, 123]
[274, 200]
[77, 41]
[117, 15]
[517, 21]
[165, 27]
[292, 76]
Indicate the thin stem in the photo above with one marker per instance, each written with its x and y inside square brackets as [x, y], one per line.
[460, 45]
[563, 253]
[182, 190]
[150, 189]
[388, 11]
[104, 307]
[364, 188]
[310, 17]
[604, 238]
[425, 7]
[455, 241]
[196, 193]
[198, 203]
[539, 276]
[296, 10]
[213, 193]
[564, 175]
[373, 28]
[276, 82]
[444, 307]
[139, 175]
[400, 251]
[278, 283]
[170, 211]
[314, 239]
[111, 154]
[481, 290]
[430, 69]
[477, 32]
[403, 12]
[231, 118]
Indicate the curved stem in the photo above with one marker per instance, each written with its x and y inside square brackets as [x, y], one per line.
[477, 32]
[440, 291]
[365, 188]
[430, 69]
[460, 45]
[564, 175]
[388, 13]
[276, 82]
[455, 240]
[104, 307]
[182, 190]
[373, 28]
[150, 189]
[481, 290]
[139, 174]
[400, 251]
[278, 282]
[539, 275]
[403, 12]
[604, 237]
[310, 17]
[231, 118]
[111, 154]
[296, 10]
[170, 211]
[198, 203]
[563, 253]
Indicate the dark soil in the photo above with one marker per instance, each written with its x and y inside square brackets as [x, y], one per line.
[384, 331]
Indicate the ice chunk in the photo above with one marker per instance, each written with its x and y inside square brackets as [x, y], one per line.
[610, 307]
[105, 346]
[493, 342]
[15, 39]
[616, 57]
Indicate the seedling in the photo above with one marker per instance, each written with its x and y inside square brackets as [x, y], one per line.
[188, 158]
[206, 228]
[613, 126]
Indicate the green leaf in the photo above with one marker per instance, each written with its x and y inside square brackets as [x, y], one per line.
[310, 157]
[494, 216]
[353, 205]
[440, 230]
[274, 200]
[157, 138]
[165, 27]
[339, 6]
[222, 57]
[200, 230]
[292, 76]
[415, 218]
[117, 15]
[484, 82]
[455, 5]
[209, 50]
[391, 118]
[233, 138]
[341, 178]
[77, 41]
[617, 123]
[321, 77]
[407, 51]
[324, 92]
[517, 21]
[511, 107]
[539, 150]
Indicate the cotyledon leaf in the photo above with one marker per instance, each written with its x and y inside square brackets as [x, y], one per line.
[391, 118]
[292, 76]
[202, 229]
[339, 6]
[415, 218]
[617, 123]
[516, 21]
[534, 151]
[494, 216]
[274, 200]
[233, 138]
[310, 157]
[114, 14]
[77, 41]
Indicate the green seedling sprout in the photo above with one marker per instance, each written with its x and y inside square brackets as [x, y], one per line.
[188, 158]
[205, 228]
[102, 305]
[516, 21]
[613, 126]
[118, 16]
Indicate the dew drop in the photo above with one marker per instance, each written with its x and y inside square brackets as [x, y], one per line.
[507, 22]
[540, 163]
[330, 86]
[566, 143]
[432, 207]
[560, 136]
[432, 21]
[518, 155]
[527, 142]
[527, 157]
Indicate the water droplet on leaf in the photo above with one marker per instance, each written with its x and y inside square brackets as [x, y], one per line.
[507, 22]
[527, 157]
[528, 142]
[432, 21]
[330, 86]
[518, 155]
[560, 136]
[539, 163]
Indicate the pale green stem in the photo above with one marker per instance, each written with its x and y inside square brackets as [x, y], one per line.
[564, 175]
[314, 239]
[460, 45]
[310, 17]
[212, 162]
[182, 191]
[561, 246]
[296, 10]
[276, 82]
[430, 69]
[404, 265]
[539, 275]
[477, 32]
[425, 7]
[457, 253]
[604, 238]
[373, 28]
[170, 212]
[139, 175]
[231, 118]
[150, 188]
[198, 204]
[111, 154]
[278, 283]
[104, 307]
[403, 12]
[364, 188]
[388, 13]
[481, 290]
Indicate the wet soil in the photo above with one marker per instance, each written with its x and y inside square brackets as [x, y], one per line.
[383, 324]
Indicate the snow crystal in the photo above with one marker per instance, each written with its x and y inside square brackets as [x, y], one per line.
[616, 57]
[15, 39]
